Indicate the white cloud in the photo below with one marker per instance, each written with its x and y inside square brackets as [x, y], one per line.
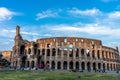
[88, 12]
[114, 45]
[29, 33]
[6, 14]
[114, 15]
[108, 0]
[46, 14]
[93, 29]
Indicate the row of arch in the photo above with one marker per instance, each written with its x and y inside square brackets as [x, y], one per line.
[37, 51]
[89, 66]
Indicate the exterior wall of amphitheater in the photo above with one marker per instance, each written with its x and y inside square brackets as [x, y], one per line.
[65, 53]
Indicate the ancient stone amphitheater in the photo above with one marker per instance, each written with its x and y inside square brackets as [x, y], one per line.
[64, 53]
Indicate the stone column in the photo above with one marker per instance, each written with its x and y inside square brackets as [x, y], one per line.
[56, 65]
[74, 53]
[18, 65]
[96, 52]
[91, 64]
[101, 66]
[74, 65]
[85, 51]
[56, 53]
[80, 68]
[35, 60]
[61, 65]
[68, 65]
[85, 66]
[79, 53]
[50, 64]
[45, 56]
[51, 54]
[96, 65]
[62, 54]
[106, 66]
[32, 50]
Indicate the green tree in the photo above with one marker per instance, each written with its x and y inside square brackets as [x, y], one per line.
[3, 61]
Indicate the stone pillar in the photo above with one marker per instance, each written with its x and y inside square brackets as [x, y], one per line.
[96, 52]
[80, 68]
[68, 67]
[32, 50]
[45, 56]
[68, 53]
[96, 65]
[18, 64]
[91, 64]
[79, 53]
[101, 66]
[56, 65]
[62, 54]
[106, 66]
[51, 54]
[50, 63]
[35, 60]
[74, 65]
[74, 53]
[85, 65]
[61, 65]
[56, 53]
[85, 51]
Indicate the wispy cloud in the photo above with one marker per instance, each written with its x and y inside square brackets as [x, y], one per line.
[46, 14]
[108, 0]
[88, 12]
[93, 29]
[115, 15]
[6, 14]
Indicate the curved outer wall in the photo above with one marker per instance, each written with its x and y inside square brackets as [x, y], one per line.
[65, 53]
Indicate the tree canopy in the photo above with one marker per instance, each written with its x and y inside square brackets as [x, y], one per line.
[3, 61]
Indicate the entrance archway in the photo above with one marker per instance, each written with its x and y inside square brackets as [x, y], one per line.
[65, 65]
[83, 66]
[88, 66]
[99, 66]
[71, 65]
[104, 67]
[94, 66]
[59, 65]
[77, 65]
[32, 64]
[28, 64]
[53, 65]
[23, 61]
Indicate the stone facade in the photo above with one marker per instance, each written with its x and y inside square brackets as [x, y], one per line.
[64, 53]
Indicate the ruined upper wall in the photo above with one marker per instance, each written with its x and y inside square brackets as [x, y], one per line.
[70, 40]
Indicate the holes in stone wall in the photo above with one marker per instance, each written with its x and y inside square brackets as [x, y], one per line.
[65, 40]
[82, 40]
[29, 51]
[70, 45]
[48, 45]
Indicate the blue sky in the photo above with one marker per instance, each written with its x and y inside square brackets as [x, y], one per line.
[97, 19]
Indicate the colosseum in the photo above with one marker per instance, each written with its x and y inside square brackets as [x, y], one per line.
[64, 53]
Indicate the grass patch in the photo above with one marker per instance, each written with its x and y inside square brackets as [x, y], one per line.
[40, 75]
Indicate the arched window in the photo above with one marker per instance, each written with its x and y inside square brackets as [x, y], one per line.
[53, 52]
[93, 54]
[48, 52]
[82, 52]
[98, 54]
[29, 51]
[38, 51]
[43, 51]
[77, 52]
[22, 48]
